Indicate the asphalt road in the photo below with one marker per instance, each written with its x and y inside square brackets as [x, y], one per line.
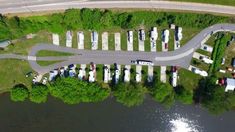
[180, 57]
[19, 6]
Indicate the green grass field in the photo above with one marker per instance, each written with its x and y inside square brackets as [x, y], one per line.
[47, 63]
[219, 2]
[12, 72]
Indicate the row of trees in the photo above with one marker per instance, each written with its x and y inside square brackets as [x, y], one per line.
[38, 93]
[69, 90]
[74, 91]
[72, 19]
[218, 52]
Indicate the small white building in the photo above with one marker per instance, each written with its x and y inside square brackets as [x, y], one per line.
[130, 36]
[142, 35]
[107, 75]
[91, 76]
[165, 36]
[55, 39]
[53, 74]
[4, 44]
[94, 37]
[154, 34]
[207, 60]
[230, 84]
[198, 71]
[174, 79]
[126, 75]
[178, 34]
[116, 75]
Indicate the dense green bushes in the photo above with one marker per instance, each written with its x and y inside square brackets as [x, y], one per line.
[39, 93]
[73, 91]
[129, 94]
[19, 93]
[163, 93]
[96, 19]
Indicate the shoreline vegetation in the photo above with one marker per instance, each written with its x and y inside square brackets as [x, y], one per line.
[74, 91]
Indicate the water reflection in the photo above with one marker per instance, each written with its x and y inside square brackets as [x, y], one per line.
[109, 116]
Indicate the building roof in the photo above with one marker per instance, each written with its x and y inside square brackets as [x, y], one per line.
[230, 85]
[4, 44]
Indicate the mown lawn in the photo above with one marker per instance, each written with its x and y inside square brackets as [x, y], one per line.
[12, 72]
[188, 79]
[47, 63]
[44, 53]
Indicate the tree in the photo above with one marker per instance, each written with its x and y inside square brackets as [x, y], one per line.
[129, 94]
[72, 19]
[39, 94]
[123, 20]
[56, 23]
[107, 19]
[91, 18]
[163, 93]
[19, 93]
[212, 96]
[73, 91]
[184, 95]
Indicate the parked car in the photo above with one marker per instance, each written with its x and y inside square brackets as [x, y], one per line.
[223, 61]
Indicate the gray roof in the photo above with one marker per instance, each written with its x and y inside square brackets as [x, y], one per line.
[4, 44]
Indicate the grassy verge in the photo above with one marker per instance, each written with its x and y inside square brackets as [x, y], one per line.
[219, 2]
[43, 53]
[47, 63]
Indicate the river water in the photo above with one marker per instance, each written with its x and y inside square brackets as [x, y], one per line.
[108, 116]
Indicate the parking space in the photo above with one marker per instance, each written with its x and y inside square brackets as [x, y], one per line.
[69, 38]
[80, 40]
[141, 39]
[105, 41]
[130, 40]
[55, 39]
[138, 77]
[117, 40]
[150, 73]
[163, 74]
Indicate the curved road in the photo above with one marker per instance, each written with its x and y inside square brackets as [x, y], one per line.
[14, 6]
[180, 57]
